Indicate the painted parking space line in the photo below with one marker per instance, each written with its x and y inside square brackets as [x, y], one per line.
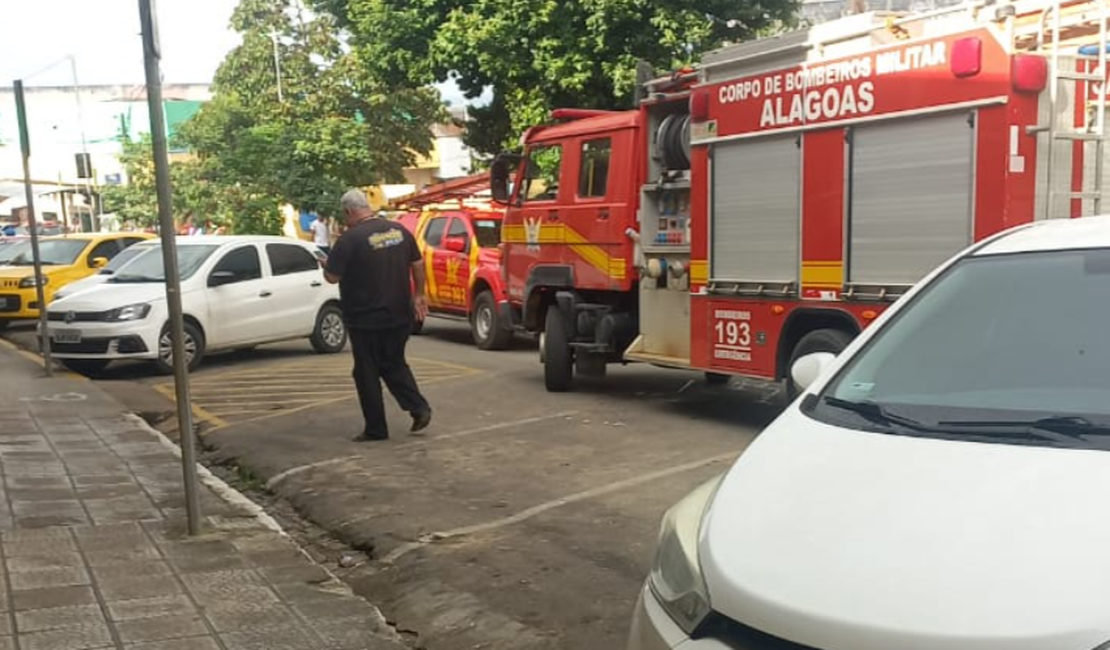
[541, 508]
[223, 399]
[300, 469]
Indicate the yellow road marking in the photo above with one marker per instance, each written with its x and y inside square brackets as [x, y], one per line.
[224, 399]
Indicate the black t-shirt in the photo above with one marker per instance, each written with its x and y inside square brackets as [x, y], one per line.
[374, 263]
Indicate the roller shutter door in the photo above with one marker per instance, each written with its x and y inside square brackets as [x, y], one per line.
[755, 199]
[911, 194]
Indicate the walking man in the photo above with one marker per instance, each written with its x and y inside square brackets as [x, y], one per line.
[378, 268]
[321, 234]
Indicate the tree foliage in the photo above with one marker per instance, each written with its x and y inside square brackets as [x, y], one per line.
[337, 124]
[540, 54]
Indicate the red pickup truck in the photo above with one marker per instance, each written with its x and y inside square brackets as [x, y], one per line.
[462, 257]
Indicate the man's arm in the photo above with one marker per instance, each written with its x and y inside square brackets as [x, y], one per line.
[336, 263]
[419, 301]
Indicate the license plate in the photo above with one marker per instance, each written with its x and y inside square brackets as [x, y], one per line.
[66, 336]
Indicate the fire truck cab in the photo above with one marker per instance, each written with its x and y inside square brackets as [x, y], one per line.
[774, 201]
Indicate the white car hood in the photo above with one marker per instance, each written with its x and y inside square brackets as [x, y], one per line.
[847, 540]
[110, 295]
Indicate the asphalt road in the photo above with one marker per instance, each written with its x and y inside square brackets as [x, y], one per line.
[522, 520]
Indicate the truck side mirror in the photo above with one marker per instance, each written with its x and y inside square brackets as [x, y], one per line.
[501, 176]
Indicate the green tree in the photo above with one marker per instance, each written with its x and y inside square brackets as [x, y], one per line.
[541, 54]
[337, 124]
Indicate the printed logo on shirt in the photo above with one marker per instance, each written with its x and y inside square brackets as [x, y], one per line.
[387, 239]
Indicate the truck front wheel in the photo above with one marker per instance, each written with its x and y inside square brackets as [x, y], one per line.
[558, 357]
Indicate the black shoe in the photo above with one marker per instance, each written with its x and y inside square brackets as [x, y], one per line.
[421, 420]
[370, 437]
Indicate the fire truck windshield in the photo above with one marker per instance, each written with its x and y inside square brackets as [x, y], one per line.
[998, 348]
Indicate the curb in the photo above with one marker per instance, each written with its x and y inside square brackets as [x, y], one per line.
[237, 498]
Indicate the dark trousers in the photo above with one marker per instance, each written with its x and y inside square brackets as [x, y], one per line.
[380, 355]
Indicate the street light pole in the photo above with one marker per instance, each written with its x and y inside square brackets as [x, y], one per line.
[151, 56]
[93, 216]
[32, 223]
[277, 64]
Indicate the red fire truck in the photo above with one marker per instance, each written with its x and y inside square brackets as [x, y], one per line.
[775, 200]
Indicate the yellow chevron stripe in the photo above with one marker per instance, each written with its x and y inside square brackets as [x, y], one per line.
[559, 233]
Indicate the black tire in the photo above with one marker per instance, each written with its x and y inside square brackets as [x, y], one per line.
[716, 379]
[329, 336]
[486, 328]
[86, 367]
[4, 322]
[558, 357]
[825, 340]
[194, 342]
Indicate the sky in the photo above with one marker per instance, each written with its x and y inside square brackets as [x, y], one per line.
[103, 36]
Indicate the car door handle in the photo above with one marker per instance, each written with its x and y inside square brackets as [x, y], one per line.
[317, 283]
[553, 216]
[265, 294]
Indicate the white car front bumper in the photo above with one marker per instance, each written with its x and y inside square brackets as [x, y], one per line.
[653, 629]
[136, 339]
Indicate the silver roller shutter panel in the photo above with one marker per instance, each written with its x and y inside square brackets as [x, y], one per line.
[756, 214]
[911, 197]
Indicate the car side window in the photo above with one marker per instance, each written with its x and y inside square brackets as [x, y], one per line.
[433, 234]
[105, 249]
[243, 263]
[131, 241]
[290, 258]
[458, 229]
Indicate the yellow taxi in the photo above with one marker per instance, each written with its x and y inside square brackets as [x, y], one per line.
[65, 259]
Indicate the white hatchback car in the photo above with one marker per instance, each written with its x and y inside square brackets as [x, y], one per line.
[236, 292]
[943, 484]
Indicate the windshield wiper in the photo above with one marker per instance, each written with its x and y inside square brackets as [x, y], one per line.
[1068, 425]
[877, 413]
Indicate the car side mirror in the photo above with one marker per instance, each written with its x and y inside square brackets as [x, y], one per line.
[806, 369]
[220, 278]
[501, 176]
[98, 262]
[455, 244]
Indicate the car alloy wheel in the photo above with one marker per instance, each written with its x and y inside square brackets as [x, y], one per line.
[165, 348]
[332, 329]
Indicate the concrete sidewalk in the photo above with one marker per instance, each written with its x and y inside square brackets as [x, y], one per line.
[92, 553]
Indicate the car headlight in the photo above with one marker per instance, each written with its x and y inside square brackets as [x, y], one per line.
[676, 578]
[130, 312]
[29, 282]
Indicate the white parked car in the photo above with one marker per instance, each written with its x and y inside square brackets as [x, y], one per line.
[943, 484]
[121, 259]
[236, 292]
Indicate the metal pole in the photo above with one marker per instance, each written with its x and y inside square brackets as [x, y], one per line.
[151, 56]
[93, 216]
[277, 64]
[32, 223]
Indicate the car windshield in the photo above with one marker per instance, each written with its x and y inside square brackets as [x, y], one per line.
[487, 232]
[56, 252]
[1010, 348]
[147, 267]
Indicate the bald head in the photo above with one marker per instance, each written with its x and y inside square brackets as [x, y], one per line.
[355, 207]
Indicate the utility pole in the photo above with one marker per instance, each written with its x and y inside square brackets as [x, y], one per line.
[151, 56]
[94, 217]
[277, 64]
[32, 223]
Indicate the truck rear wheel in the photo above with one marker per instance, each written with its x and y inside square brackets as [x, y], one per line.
[486, 328]
[824, 340]
[558, 357]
